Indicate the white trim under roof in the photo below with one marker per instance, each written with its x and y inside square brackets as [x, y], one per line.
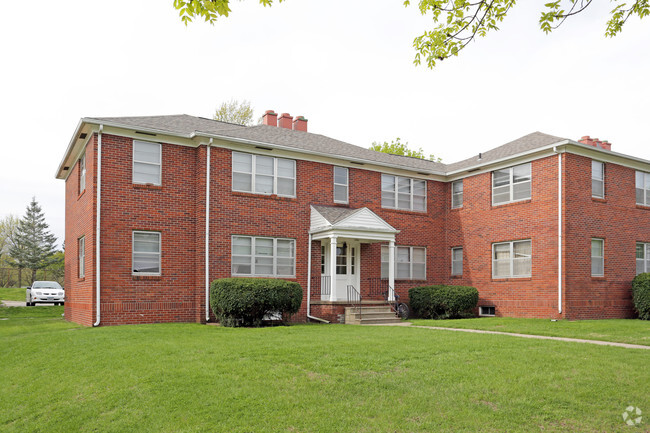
[90, 125]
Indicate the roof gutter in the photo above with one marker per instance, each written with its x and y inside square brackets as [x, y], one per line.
[98, 228]
[311, 152]
[511, 157]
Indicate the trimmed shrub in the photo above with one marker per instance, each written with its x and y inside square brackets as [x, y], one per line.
[641, 295]
[245, 301]
[443, 302]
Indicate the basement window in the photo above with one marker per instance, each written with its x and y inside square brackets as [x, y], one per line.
[487, 311]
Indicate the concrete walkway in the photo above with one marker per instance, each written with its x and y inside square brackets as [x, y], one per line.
[539, 337]
[19, 304]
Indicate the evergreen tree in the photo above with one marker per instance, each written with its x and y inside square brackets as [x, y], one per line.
[32, 245]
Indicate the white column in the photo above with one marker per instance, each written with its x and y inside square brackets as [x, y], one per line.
[333, 268]
[391, 269]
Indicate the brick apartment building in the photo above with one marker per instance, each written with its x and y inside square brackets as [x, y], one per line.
[543, 226]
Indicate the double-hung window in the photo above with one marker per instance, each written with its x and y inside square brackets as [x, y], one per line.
[597, 257]
[263, 257]
[146, 162]
[82, 173]
[643, 188]
[81, 246]
[511, 184]
[146, 253]
[597, 179]
[512, 259]
[261, 174]
[457, 261]
[642, 257]
[410, 263]
[341, 183]
[403, 193]
[457, 194]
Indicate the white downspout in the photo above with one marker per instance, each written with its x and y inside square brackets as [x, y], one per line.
[559, 231]
[309, 285]
[207, 236]
[97, 224]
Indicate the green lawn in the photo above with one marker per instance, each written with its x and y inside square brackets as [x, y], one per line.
[618, 330]
[59, 377]
[8, 294]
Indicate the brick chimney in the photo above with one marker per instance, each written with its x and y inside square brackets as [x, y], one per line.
[270, 118]
[300, 123]
[596, 142]
[285, 120]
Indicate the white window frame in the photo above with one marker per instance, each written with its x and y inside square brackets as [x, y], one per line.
[645, 181]
[346, 185]
[511, 259]
[396, 193]
[411, 262]
[158, 164]
[481, 313]
[253, 175]
[82, 173]
[511, 184]
[252, 256]
[645, 260]
[134, 253]
[81, 253]
[594, 179]
[455, 271]
[601, 257]
[457, 197]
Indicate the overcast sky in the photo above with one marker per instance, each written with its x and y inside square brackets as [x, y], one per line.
[345, 65]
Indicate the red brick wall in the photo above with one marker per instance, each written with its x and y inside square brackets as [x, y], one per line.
[80, 221]
[177, 211]
[169, 209]
[478, 224]
[616, 219]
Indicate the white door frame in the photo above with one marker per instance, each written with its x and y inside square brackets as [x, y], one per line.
[352, 276]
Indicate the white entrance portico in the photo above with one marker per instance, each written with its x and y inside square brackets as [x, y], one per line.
[341, 232]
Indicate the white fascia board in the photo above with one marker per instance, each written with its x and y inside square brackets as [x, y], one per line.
[341, 161]
[609, 156]
[520, 158]
[73, 140]
[360, 234]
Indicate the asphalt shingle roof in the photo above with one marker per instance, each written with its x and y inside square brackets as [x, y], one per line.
[186, 125]
[334, 214]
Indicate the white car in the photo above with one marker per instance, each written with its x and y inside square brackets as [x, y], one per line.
[45, 292]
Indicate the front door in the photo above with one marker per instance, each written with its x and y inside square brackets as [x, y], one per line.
[347, 268]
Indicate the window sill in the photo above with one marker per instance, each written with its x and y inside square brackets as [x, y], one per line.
[599, 200]
[641, 206]
[149, 186]
[457, 277]
[81, 279]
[601, 278]
[264, 196]
[405, 211]
[511, 203]
[146, 277]
[513, 279]
[81, 194]
[455, 209]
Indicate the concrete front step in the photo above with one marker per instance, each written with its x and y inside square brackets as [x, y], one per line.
[370, 315]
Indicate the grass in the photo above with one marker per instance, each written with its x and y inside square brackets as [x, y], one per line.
[9, 294]
[58, 377]
[617, 330]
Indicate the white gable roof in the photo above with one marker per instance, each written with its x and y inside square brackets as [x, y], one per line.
[360, 223]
